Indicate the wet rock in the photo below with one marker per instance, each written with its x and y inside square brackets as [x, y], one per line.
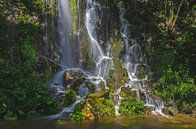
[148, 110]
[73, 78]
[194, 113]
[127, 91]
[83, 90]
[98, 94]
[172, 110]
[120, 75]
[92, 88]
[115, 97]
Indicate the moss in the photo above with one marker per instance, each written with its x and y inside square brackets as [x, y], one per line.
[87, 113]
[73, 10]
[96, 108]
[100, 93]
[91, 87]
[101, 107]
[47, 70]
[127, 93]
[70, 97]
[77, 116]
[117, 77]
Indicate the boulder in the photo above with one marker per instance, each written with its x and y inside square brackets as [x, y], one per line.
[171, 110]
[73, 78]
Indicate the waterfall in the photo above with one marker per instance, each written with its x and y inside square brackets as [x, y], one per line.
[66, 44]
[65, 111]
[134, 61]
[78, 31]
[103, 62]
[118, 100]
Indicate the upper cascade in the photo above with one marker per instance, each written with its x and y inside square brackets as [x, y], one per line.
[101, 57]
[67, 46]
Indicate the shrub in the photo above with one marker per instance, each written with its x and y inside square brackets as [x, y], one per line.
[128, 107]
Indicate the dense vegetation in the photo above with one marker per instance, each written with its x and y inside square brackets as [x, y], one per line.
[165, 29]
[22, 88]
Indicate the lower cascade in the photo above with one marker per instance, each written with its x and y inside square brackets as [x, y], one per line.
[133, 61]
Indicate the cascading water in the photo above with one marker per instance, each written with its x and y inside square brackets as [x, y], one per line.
[103, 62]
[133, 59]
[79, 30]
[65, 111]
[66, 44]
[118, 99]
[69, 59]
[136, 65]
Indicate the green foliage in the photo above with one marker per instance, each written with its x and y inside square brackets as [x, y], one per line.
[70, 97]
[101, 107]
[117, 77]
[177, 87]
[79, 106]
[10, 116]
[128, 107]
[73, 10]
[34, 7]
[172, 53]
[77, 116]
[22, 92]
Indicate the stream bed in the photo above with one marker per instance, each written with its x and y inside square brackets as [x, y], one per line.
[139, 122]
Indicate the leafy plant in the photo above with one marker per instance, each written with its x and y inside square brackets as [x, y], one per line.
[179, 87]
[70, 97]
[128, 107]
[77, 116]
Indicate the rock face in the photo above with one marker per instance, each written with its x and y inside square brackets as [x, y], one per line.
[73, 78]
[83, 90]
[172, 110]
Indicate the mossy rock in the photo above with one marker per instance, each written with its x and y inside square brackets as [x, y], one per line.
[91, 87]
[126, 92]
[69, 98]
[86, 112]
[118, 76]
[148, 110]
[73, 79]
[98, 94]
[99, 107]
[172, 110]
